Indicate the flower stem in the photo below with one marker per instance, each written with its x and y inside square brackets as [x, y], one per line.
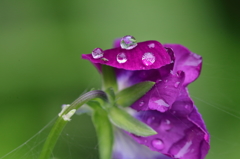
[62, 120]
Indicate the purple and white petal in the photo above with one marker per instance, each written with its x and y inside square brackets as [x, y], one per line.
[162, 96]
[126, 148]
[181, 131]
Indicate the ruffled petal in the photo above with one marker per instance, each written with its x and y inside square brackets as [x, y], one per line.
[147, 55]
[181, 131]
[186, 61]
[162, 95]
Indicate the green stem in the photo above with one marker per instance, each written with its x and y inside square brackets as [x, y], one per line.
[61, 123]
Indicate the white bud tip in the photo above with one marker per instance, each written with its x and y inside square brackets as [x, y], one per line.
[64, 107]
[67, 117]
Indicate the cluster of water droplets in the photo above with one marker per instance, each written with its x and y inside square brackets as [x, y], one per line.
[163, 125]
[128, 42]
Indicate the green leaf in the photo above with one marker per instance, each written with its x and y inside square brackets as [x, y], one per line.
[104, 130]
[123, 120]
[131, 94]
[109, 78]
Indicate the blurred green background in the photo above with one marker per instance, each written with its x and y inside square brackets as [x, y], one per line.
[40, 66]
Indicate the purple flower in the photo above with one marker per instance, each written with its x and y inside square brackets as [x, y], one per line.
[167, 107]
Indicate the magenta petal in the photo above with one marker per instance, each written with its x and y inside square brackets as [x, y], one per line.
[186, 61]
[181, 131]
[162, 95]
[147, 55]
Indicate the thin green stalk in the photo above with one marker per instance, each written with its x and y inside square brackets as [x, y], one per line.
[63, 119]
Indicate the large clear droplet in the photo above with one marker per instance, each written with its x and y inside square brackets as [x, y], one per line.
[97, 53]
[121, 58]
[148, 59]
[158, 144]
[128, 42]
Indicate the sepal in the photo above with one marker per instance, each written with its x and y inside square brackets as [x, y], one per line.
[125, 121]
[128, 96]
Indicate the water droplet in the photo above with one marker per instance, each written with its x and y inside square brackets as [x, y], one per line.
[148, 58]
[158, 144]
[166, 81]
[141, 103]
[166, 124]
[104, 59]
[128, 42]
[159, 80]
[152, 45]
[171, 71]
[121, 58]
[97, 53]
[162, 105]
[176, 84]
[150, 120]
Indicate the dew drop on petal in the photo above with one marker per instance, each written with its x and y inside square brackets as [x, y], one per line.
[176, 84]
[158, 144]
[97, 53]
[150, 120]
[128, 42]
[121, 58]
[166, 125]
[148, 59]
[141, 103]
[152, 45]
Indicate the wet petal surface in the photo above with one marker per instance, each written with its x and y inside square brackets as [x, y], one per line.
[142, 57]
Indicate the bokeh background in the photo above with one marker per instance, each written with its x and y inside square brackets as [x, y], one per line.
[40, 66]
